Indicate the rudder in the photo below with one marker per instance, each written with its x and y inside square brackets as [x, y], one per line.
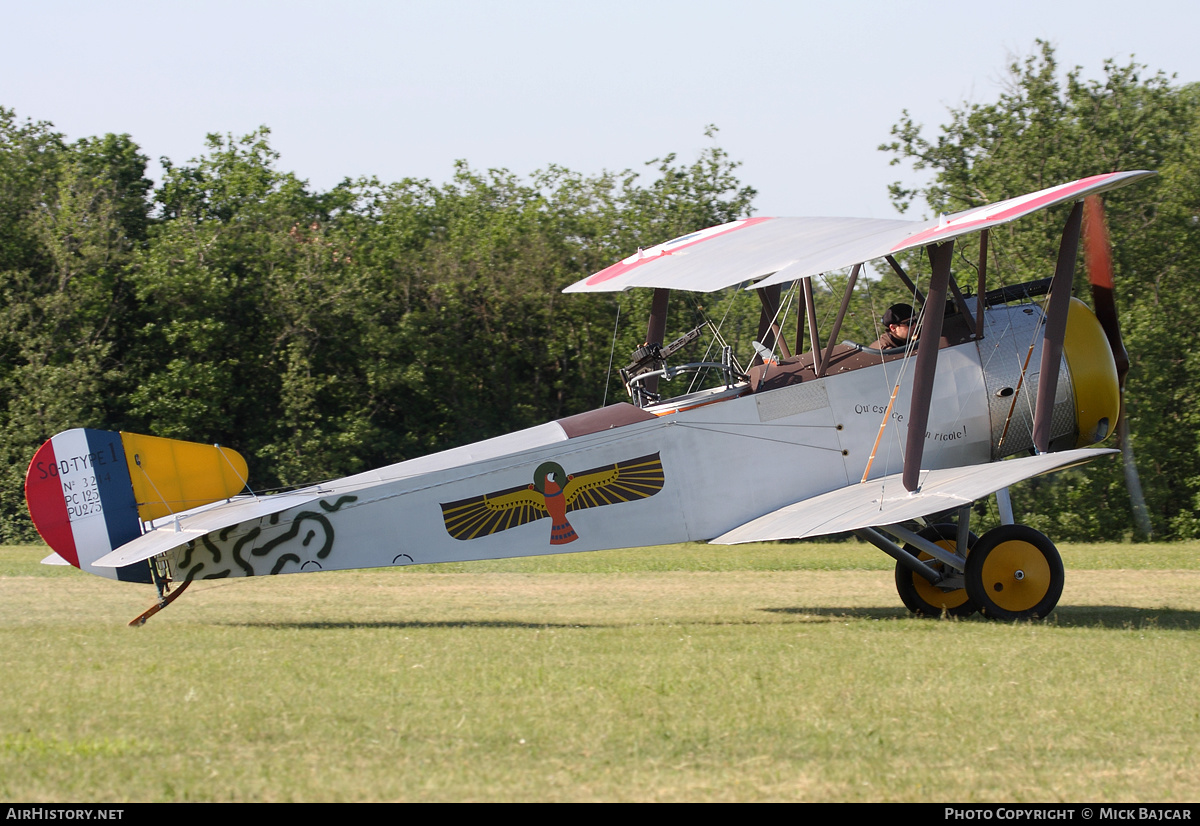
[90, 491]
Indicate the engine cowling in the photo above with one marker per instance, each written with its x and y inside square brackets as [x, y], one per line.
[1087, 400]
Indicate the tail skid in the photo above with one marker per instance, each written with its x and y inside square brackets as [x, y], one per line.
[165, 598]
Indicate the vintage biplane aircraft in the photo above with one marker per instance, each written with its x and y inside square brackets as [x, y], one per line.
[805, 441]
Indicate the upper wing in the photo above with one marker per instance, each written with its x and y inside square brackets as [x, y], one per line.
[621, 482]
[779, 250]
[885, 501]
[729, 254]
[1001, 212]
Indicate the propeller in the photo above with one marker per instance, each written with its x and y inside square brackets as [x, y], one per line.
[1098, 257]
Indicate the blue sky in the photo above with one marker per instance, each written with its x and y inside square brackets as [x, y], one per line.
[802, 92]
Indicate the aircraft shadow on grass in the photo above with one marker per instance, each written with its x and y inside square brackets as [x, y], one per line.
[412, 624]
[1115, 617]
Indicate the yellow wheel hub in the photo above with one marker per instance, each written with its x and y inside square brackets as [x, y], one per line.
[1016, 575]
[932, 594]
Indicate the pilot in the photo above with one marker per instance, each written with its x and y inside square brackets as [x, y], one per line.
[898, 328]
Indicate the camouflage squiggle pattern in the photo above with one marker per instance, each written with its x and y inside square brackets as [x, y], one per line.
[207, 558]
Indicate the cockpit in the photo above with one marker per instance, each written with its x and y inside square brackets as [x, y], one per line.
[773, 366]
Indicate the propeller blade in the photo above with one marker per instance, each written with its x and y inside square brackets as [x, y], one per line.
[1097, 253]
[1098, 256]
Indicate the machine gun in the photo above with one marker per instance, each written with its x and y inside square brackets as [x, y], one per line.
[650, 362]
[653, 356]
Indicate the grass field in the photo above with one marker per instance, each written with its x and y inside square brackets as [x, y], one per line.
[687, 673]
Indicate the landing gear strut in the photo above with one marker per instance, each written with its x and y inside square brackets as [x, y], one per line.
[924, 598]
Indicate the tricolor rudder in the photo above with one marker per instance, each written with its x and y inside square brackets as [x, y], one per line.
[91, 491]
[81, 500]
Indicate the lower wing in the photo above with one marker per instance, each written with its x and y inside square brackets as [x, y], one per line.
[885, 501]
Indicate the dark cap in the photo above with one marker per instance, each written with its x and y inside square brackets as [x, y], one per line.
[897, 314]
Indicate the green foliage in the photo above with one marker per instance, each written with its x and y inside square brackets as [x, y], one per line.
[319, 333]
[1043, 131]
[71, 217]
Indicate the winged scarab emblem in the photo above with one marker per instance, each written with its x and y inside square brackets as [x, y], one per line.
[554, 494]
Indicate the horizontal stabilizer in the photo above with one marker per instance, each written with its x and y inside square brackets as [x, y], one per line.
[885, 501]
[55, 559]
[175, 533]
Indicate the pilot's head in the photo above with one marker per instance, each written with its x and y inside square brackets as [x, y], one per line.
[898, 320]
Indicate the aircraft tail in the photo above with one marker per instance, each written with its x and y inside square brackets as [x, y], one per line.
[90, 491]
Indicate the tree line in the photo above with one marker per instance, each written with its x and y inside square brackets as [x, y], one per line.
[324, 333]
[319, 333]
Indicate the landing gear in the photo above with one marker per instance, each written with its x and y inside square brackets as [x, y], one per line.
[164, 600]
[160, 572]
[949, 597]
[1014, 572]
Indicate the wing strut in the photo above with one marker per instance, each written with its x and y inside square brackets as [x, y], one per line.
[768, 321]
[814, 339]
[981, 289]
[656, 329]
[940, 256]
[801, 319]
[1056, 329]
[899, 270]
[841, 316]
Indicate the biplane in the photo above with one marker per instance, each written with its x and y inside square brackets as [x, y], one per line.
[830, 437]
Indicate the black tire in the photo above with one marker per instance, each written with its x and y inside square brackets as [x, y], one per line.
[918, 594]
[1014, 572]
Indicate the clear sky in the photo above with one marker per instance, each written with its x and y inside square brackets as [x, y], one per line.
[803, 92]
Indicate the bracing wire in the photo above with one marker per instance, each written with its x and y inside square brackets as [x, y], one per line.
[612, 351]
[895, 387]
[718, 338]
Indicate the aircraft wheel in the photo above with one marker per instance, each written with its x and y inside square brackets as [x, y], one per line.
[922, 597]
[1014, 573]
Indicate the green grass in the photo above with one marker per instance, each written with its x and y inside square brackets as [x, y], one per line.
[694, 672]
